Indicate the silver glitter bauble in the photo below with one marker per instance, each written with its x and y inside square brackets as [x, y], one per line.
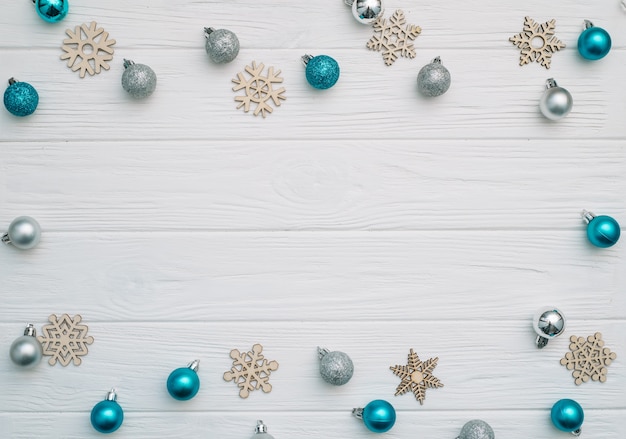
[24, 233]
[556, 102]
[335, 367]
[260, 432]
[433, 79]
[366, 11]
[222, 45]
[138, 80]
[26, 350]
[476, 429]
[548, 323]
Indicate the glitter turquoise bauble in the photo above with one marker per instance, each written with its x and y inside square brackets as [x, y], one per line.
[602, 230]
[52, 11]
[183, 383]
[20, 98]
[322, 71]
[379, 416]
[594, 43]
[567, 415]
[107, 416]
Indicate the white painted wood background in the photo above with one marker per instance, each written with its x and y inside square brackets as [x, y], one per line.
[363, 218]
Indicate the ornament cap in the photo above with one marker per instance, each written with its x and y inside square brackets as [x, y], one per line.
[587, 216]
[5, 239]
[208, 31]
[12, 81]
[347, 2]
[112, 395]
[321, 352]
[128, 63]
[194, 365]
[541, 342]
[260, 427]
[577, 432]
[587, 24]
[551, 83]
[436, 60]
[358, 412]
[306, 58]
[30, 330]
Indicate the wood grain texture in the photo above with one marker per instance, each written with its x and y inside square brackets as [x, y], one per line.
[363, 218]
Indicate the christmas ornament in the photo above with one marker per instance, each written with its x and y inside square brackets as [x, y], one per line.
[416, 376]
[567, 415]
[138, 80]
[548, 323]
[476, 429]
[51, 11]
[588, 358]
[24, 233]
[258, 89]
[594, 42]
[87, 49]
[20, 98]
[602, 230]
[394, 37]
[222, 45]
[537, 42]
[433, 79]
[556, 102]
[366, 11]
[322, 71]
[378, 416]
[65, 340]
[26, 350]
[250, 371]
[183, 383]
[260, 432]
[107, 416]
[335, 367]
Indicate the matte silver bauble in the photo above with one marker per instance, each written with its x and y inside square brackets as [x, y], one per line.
[138, 80]
[556, 102]
[222, 45]
[260, 432]
[433, 79]
[335, 367]
[548, 323]
[24, 233]
[476, 429]
[26, 350]
[366, 11]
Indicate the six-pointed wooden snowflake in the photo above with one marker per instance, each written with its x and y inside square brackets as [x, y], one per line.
[259, 89]
[250, 371]
[416, 376]
[537, 42]
[65, 340]
[87, 49]
[588, 358]
[394, 37]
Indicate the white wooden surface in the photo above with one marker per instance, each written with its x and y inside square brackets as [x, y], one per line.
[363, 218]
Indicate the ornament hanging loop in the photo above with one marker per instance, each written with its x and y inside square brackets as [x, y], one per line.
[587, 216]
[5, 239]
[551, 83]
[194, 365]
[577, 432]
[260, 427]
[587, 24]
[112, 395]
[30, 330]
[306, 58]
[358, 413]
[128, 63]
[208, 31]
[437, 60]
[321, 352]
[12, 81]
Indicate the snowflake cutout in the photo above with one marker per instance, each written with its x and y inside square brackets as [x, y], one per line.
[588, 358]
[259, 89]
[250, 371]
[65, 340]
[537, 42]
[87, 49]
[394, 37]
[416, 376]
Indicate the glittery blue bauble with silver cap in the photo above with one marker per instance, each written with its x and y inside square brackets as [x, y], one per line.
[567, 415]
[52, 11]
[183, 383]
[602, 230]
[378, 416]
[322, 71]
[107, 416]
[594, 42]
[20, 98]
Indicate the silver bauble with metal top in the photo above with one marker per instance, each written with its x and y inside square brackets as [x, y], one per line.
[26, 350]
[138, 80]
[556, 102]
[24, 233]
[222, 45]
[476, 429]
[366, 11]
[335, 367]
[433, 79]
[548, 323]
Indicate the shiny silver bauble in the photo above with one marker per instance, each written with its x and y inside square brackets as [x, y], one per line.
[476, 429]
[138, 80]
[433, 79]
[556, 102]
[366, 11]
[24, 233]
[222, 45]
[26, 350]
[335, 367]
[548, 323]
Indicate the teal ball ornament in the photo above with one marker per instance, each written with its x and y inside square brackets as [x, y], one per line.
[183, 383]
[322, 71]
[52, 11]
[594, 43]
[107, 416]
[567, 415]
[378, 416]
[20, 98]
[602, 230]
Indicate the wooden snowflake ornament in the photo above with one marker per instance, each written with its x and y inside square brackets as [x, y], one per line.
[537, 42]
[588, 358]
[250, 371]
[258, 89]
[394, 37]
[87, 49]
[65, 340]
[416, 376]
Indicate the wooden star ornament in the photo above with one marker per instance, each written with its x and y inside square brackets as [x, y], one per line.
[416, 376]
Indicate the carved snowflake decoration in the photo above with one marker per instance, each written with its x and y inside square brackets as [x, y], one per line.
[250, 371]
[416, 376]
[65, 340]
[588, 358]
[259, 89]
[537, 42]
[87, 49]
[394, 37]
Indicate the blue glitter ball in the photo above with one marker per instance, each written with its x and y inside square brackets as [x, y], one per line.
[20, 98]
[594, 43]
[322, 72]
[52, 11]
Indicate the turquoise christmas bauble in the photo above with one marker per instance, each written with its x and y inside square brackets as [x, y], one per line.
[107, 416]
[379, 416]
[603, 231]
[52, 11]
[20, 98]
[322, 72]
[183, 383]
[594, 43]
[567, 415]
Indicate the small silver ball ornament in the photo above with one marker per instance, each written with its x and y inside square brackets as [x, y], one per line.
[24, 233]
[335, 367]
[548, 323]
[476, 429]
[222, 45]
[26, 350]
[138, 80]
[556, 102]
[433, 79]
[366, 11]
